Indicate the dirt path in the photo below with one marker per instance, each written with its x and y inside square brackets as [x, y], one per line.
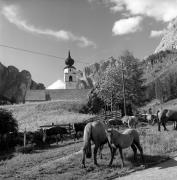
[37, 168]
[162, 171]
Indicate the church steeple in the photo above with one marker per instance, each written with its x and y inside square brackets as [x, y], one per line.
[69, 61]
[70, 77]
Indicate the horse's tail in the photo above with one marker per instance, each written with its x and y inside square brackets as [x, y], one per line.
[87, 140]
[136, 136]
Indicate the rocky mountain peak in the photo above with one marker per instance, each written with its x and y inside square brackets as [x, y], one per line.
[169, 40]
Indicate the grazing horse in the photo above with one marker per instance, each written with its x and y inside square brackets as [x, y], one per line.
[166, 115]
[113, 122]
[151, 118]
[55, 131]
[78, 127]
[95, 132]
[131, 121]
[129, 137]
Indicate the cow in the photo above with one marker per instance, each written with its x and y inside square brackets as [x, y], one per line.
[56, 131]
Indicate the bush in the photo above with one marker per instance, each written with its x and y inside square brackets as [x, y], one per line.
[95, 104]
[84, 109]
[8, 130]
[7, 122]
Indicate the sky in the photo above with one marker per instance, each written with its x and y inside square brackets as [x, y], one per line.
[92, 30]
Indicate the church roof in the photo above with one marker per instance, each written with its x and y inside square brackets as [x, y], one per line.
[69, 61]
[69, 67]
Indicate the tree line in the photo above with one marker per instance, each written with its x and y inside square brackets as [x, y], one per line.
[108, 91]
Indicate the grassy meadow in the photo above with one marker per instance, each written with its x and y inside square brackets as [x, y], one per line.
[63, 161]
[33, 115]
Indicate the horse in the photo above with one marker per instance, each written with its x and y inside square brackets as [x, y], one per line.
[114, 122]
[151, 118]
[165, 115]
[129, 137]
[55, 131]
[78, 127]
[95, 132]
[131, 121]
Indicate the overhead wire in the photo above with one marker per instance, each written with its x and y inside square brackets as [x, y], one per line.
[36, 52]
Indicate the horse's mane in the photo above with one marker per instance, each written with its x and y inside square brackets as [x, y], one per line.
[113, 131]
[87, 133]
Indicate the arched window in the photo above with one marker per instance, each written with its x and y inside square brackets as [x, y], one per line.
[70, 79]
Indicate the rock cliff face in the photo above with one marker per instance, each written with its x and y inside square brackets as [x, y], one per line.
[14, 84]
[169, 40]
[92, 73]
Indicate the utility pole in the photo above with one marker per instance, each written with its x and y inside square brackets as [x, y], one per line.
[24, 138]
[155, 81]
[155, 85]
[123, 86]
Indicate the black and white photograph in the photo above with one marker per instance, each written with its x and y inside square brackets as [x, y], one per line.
[88, 89]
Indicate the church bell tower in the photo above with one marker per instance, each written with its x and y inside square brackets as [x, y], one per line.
[70, 73]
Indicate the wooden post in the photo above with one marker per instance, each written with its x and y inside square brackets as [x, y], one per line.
[70, 129]
[44, 135]
[111, 102]
[24, 138]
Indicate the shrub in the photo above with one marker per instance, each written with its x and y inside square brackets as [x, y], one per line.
[8, 130]
[7, 122]
[84, 109]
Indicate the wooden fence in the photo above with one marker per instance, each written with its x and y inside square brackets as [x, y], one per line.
[68, 126]
[116, 115]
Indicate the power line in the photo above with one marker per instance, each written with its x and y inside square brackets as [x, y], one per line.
[39, 53]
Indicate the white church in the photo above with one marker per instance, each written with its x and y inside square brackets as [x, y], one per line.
[70, 78]
[70, 92]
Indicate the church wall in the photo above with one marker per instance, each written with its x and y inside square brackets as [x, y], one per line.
[57, 94]
[70, 85]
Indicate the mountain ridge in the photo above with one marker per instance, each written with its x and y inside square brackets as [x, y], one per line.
[169, 39]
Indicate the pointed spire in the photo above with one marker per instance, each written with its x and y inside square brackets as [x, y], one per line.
[69, 56]
[69, 61]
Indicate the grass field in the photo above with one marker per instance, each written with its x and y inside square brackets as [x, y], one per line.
[63, 161]
[33, 115]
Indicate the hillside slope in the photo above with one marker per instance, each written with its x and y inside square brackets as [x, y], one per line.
[33, 115]
[160, 74]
